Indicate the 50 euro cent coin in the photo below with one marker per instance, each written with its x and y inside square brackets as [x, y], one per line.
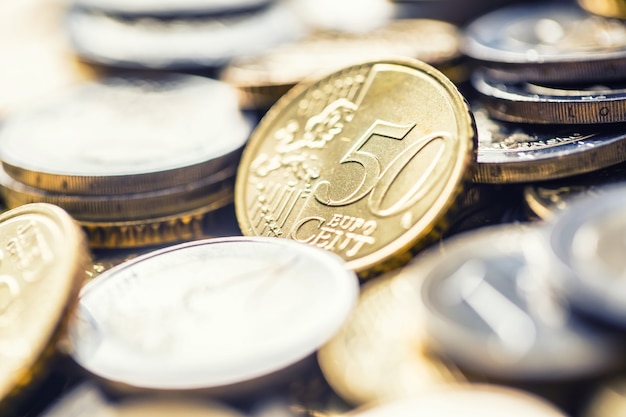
[366, 162]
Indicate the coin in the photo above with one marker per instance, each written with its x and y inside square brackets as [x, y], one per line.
[529, 103]
[551, 42]
[366, 162]
[167, 8]
[137, 326]
[125, 207]
[490, 307]
[381, 352]
[179, 43]
[38, 60]
[547, 199]
[126, 135]
[178, 227]
[608, 8]
[264, 78]
[587, 238]
[520, 153]
[469, 401]
[43, 259]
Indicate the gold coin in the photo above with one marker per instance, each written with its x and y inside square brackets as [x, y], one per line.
[366, 162]
[608, 8]
[381, 352]
[43, 261]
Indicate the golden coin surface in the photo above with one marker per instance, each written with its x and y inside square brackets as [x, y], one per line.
[366, 162]
[381, 353]
[608, 8]
[43, 257]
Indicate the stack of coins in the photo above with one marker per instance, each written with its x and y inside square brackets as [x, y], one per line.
[137, 161]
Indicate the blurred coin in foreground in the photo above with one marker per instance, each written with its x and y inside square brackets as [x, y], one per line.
[366, 162]
[469, 401]
[491, 309]
[44, 256]
[219, 315]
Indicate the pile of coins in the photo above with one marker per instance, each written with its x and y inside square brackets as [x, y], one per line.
[429, 218]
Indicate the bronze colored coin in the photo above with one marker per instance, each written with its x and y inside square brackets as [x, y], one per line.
[366, 162]
[263, 78]
[607, 8]
[43, 261]
[549, 198]
[156, 231]
[381, 352]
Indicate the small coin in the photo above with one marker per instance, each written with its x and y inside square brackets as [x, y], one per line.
[43, 258]
[607, 8]
[185, 317]
[547, 42]
[126, 135]
[530, 103]
[468, 401]
[549, 198]
[381, 352]
[179, 43]
[490, 307]
[366, 162]
[510, 152]
[588, 239]
[168, 8]
[262, 79]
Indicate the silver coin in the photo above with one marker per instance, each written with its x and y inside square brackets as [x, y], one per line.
[169, 7]
[490, 308]
[179, 43]
[523, 153]
[555, 41]
[531, 103]
[163, 132]
[211, 314]
[588, 238]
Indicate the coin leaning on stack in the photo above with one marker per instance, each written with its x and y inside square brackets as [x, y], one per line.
[137, 161]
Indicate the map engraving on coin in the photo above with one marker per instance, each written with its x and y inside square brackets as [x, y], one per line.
[365, 162]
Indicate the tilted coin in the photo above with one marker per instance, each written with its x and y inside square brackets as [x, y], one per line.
[125, 207]
[38, 60]
[608, 8]
[529, 103]
[470, 401]
[491, 309]
[549, 42]
[170, 7]
[126, 135]
[367, 162]
[521, 153]
[381, 352]
[262, 79]
[191, 42]
[588, 239]
[43, 258]
[547, 199]
[186, 317]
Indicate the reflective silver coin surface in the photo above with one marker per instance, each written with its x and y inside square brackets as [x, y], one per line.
[161, 131]
[169, 7]
[553, 41]
[589, 239]
[490, 308]
[179, 43]
[211, 314]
